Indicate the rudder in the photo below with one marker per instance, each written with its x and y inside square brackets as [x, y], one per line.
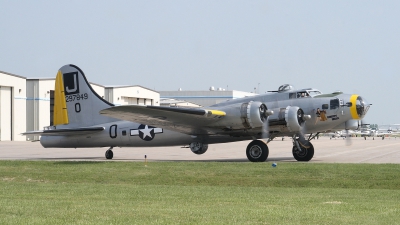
[76, 104]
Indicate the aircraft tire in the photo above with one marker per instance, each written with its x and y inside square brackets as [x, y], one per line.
[198, 148]
[305, 155]
[109, 154]
[257, 151]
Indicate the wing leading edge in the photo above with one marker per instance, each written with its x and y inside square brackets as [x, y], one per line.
[184, 120]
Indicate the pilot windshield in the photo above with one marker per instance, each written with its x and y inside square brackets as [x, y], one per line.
[302, 94]
[314, 93]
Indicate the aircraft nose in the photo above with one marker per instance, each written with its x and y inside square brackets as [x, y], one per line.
[359, 107]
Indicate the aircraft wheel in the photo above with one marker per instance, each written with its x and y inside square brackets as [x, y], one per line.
[198, 148]
[305, 154]
[109, 154]
[257, 151]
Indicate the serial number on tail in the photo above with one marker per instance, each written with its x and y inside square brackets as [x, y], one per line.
[77, 97]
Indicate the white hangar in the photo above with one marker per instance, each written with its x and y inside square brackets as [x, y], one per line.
[205, 98]
[131, 95]
[26, 104]
[12, 106]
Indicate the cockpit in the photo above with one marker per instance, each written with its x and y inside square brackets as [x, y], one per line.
[313, 93]
[304, 93]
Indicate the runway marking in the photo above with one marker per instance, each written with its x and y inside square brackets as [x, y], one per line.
[358, 150]
[379, 156]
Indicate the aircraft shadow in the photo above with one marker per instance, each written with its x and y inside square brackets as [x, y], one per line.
[78, 162]
[93, 160]
[276, 159]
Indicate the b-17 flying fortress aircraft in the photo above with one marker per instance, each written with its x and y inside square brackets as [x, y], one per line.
[83, 119]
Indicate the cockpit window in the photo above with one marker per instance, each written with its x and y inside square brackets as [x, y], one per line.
[314, 93]
[334, 103]
[302, 94]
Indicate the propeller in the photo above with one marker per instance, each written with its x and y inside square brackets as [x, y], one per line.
[348, 138]
[264, 115]
[265, 129]
[302, 119]
[360, 124]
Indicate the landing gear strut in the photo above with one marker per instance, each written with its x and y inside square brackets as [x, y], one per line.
[257, 151]
[109, 153]
[302, 149]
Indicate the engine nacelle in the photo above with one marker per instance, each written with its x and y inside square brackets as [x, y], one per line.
[253, 114]
[291, 117]
[294, 117]
[245, 115]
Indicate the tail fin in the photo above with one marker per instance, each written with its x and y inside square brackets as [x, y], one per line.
[76, 104]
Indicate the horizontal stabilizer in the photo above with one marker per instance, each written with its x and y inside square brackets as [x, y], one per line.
[66, 131]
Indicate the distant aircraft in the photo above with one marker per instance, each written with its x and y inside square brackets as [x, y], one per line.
[83, 119]
[340, 134]
[365, 130]
[387, 131]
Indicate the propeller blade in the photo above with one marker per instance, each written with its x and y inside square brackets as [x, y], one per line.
[265, 129]
[348, 138]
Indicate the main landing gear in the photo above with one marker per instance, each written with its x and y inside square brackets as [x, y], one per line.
[257, 151]
[302, 149]
[109, 153]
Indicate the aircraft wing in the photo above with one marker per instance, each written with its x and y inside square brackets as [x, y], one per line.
[65, 132]
[184, 120]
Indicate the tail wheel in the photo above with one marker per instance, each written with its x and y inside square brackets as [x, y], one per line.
[303, 154]
[109, 154]
[257, 151]
[198, 148]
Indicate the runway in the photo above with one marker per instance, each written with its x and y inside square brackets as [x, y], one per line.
[326, 151]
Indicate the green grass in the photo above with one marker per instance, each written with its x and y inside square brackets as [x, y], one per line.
[43, 192]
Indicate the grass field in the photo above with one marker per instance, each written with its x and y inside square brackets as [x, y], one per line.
[44, 192]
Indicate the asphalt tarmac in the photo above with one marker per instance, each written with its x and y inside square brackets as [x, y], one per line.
[326, 151]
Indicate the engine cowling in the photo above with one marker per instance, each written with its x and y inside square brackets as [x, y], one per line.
[253, 114]
[294, 117]
[244, 115]
[289, 119]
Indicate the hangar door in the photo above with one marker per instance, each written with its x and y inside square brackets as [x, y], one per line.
[5, 113]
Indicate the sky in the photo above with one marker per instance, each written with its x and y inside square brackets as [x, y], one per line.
[347, 45]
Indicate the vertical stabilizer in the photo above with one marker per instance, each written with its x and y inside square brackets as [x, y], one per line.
[76, 104]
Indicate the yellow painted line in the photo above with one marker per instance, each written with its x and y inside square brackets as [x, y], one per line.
[353, 108]
[217, 112]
